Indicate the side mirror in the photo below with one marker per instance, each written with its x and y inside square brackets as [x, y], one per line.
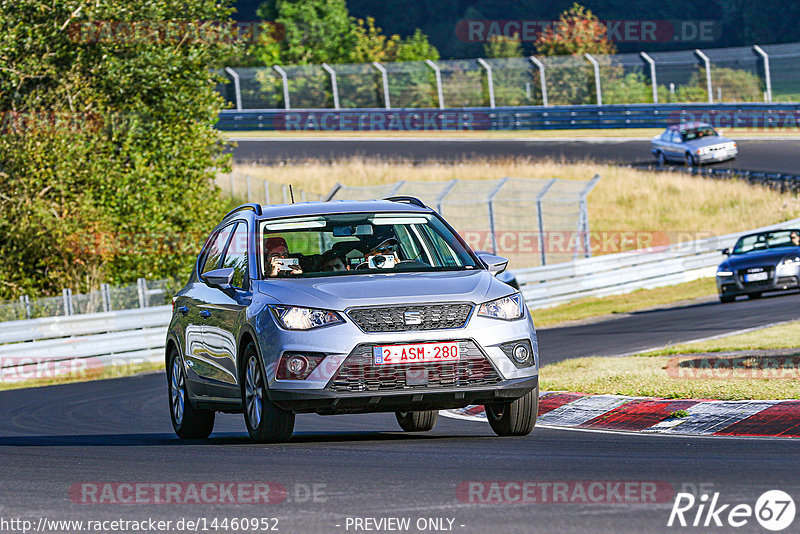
[495, 264]
[726, 252]
[219, 278]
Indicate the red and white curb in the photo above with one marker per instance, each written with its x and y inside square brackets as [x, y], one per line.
[643, 414]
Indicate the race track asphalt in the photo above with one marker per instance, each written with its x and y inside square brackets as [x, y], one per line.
[57, 437]
[781, 156]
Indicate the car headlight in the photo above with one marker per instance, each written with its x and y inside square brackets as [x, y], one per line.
[297, 318]
[791, 261]
[506, 308]
[724, 273]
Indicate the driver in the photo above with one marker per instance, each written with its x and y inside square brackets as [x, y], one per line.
[276, 250]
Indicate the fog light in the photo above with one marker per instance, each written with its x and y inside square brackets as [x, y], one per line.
[521, 353]
[297, 365]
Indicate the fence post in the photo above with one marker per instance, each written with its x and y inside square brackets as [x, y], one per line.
[285, 191]
[231, 179]
[707, 62]
[540, 219]
[285, 79]
[141, 286]
[247, 183]
[490, 198]
[66, 294]
[236, 87]
[385, 80]
[334, 84]
[266, 193]
[767, 75]
[597, 88]
[105, 296]
[438, 73]
[449, 187]
[489, 79]
[26, 304]
[583, 218]
[542, 80]
[653, 81]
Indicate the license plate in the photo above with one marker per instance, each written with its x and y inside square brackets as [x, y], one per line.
[416, 353]
[755, 277]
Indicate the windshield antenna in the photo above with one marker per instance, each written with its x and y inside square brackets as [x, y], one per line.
[291, 194]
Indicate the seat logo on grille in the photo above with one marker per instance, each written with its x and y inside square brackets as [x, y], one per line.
[412, 317]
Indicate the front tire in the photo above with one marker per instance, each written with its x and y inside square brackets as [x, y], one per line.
[726, 299]
[660, 159]
[266, 423]
[516, 418]
[689, 160]
[421, 421]
[187, 421]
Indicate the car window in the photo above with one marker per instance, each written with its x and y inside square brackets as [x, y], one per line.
[213, 252]
[360, 243]
[236, 256]
[676, 137]
[666, 136]
[697, 133]
[765, 240]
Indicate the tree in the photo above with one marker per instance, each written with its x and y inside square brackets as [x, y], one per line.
[501, 46]
[107, 152]
[578, 32]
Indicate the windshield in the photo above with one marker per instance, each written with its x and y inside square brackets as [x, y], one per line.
[765, 240]
[697, 133]
[359, 243]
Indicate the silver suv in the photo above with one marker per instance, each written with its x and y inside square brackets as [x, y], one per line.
[347, 307]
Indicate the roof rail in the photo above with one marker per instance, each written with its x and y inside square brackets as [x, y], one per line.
[255, 207]
[407, 200]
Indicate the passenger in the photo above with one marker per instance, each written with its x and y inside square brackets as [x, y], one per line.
[332, 262]
[795, 239]
[277, 250]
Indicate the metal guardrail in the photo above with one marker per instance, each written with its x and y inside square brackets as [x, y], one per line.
[739, 115]
[782, 182]
[627, 271]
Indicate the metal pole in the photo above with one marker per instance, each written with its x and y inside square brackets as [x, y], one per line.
[285, 191]
[489, 79]
[438, 72]
[266, 193]
[236, 87]
[334, 84]
[653, 81]
[286, 102]
[66, 295]
[247, 182]
[585, 215]
[707, 61]
[490, 198]
[542, 81]
[26, 305]
[231, 179]
[105, 296]
[449, 187]
[767, 75]
[597, 89]
[141, 286]
[539, 198]
[385, 79]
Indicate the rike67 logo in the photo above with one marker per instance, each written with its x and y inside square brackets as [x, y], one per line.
[774, 510]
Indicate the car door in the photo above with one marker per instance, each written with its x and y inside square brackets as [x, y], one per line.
[225, 314]
[200, 364]
[676, 146]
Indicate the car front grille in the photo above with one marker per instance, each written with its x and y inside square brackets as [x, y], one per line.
[769, 269]
[359, 373]
[411, 318]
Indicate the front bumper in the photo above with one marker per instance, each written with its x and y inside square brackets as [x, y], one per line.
[717, 155]
[326, 402]
[731, 286]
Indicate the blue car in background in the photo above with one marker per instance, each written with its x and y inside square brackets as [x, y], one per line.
[760, 262]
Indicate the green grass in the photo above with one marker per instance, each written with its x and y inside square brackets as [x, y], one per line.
[91, 374]
[647, 374]
[638, 300]
[785, 336]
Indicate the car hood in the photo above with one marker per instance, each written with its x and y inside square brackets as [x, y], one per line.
[342, 292]
[766, 257]
[708, 141]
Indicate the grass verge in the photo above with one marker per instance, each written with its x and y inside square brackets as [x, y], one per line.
[642, 299]
[103, 373]
[665, 374]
